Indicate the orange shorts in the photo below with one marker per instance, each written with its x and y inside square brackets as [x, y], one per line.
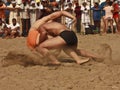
[31, 39]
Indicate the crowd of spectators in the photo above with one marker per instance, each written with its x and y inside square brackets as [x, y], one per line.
[16, 18]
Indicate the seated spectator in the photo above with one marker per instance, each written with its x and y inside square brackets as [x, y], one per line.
[6, 31]
[15, 28]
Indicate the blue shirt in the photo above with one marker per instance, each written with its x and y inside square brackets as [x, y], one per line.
[7, 12]
[96, 13]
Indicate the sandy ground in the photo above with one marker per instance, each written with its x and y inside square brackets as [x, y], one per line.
[18, 69]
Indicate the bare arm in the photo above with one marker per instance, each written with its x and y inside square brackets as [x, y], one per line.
[54, 16]
[61, 13]
[43, 34]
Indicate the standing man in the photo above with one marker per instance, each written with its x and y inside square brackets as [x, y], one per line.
[78, 16]
[96, 16]
[7, 12]
[33, 11]
[25, 18]
[2, 10]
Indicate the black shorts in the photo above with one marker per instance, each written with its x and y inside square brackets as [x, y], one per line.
[69, 37]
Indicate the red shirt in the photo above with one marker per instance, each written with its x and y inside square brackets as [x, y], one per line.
[116, 8]
[2, 11]
[78, 11]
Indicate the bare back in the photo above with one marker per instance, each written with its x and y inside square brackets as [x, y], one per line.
[54, 28]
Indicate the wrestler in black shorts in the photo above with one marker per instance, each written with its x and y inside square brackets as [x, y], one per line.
[69, 37]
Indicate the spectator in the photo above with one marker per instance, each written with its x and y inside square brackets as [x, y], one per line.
[4, 29]
[85, 15]
[102, 5]
[18, 2]
[25, 18]
[108, 17]
[47, 8]
[15, 28]
[116, 14]
[2, 10]
[7, 12]
[37, 1]
[68, 21]
[38, 12]
[7, 31]
[32, 11]
[4, 1]
[78, 16]
[13, 11]
[54, 4]
[96, 16]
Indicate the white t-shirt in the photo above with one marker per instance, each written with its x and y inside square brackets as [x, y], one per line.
[13, 27]
[24, 14]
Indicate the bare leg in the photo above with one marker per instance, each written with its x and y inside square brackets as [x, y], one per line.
[106, 26]
[118, 26]
[57, 52]
[111, 24]
[103, 25]
[86, 53]
[53, 59]
[49, 56]
[116, 21]
[52, 43]
[74, 55]
[12, 35]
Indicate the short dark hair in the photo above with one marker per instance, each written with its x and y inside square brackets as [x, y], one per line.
[14, 19]
[97, 3]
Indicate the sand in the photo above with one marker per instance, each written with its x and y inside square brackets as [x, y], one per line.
[22, 70]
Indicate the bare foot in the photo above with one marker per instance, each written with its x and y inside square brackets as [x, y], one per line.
[104, 33]
[83, 61]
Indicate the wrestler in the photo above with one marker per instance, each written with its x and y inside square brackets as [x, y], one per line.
[63, 38]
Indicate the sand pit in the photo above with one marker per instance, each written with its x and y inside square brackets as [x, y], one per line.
[22, 70]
